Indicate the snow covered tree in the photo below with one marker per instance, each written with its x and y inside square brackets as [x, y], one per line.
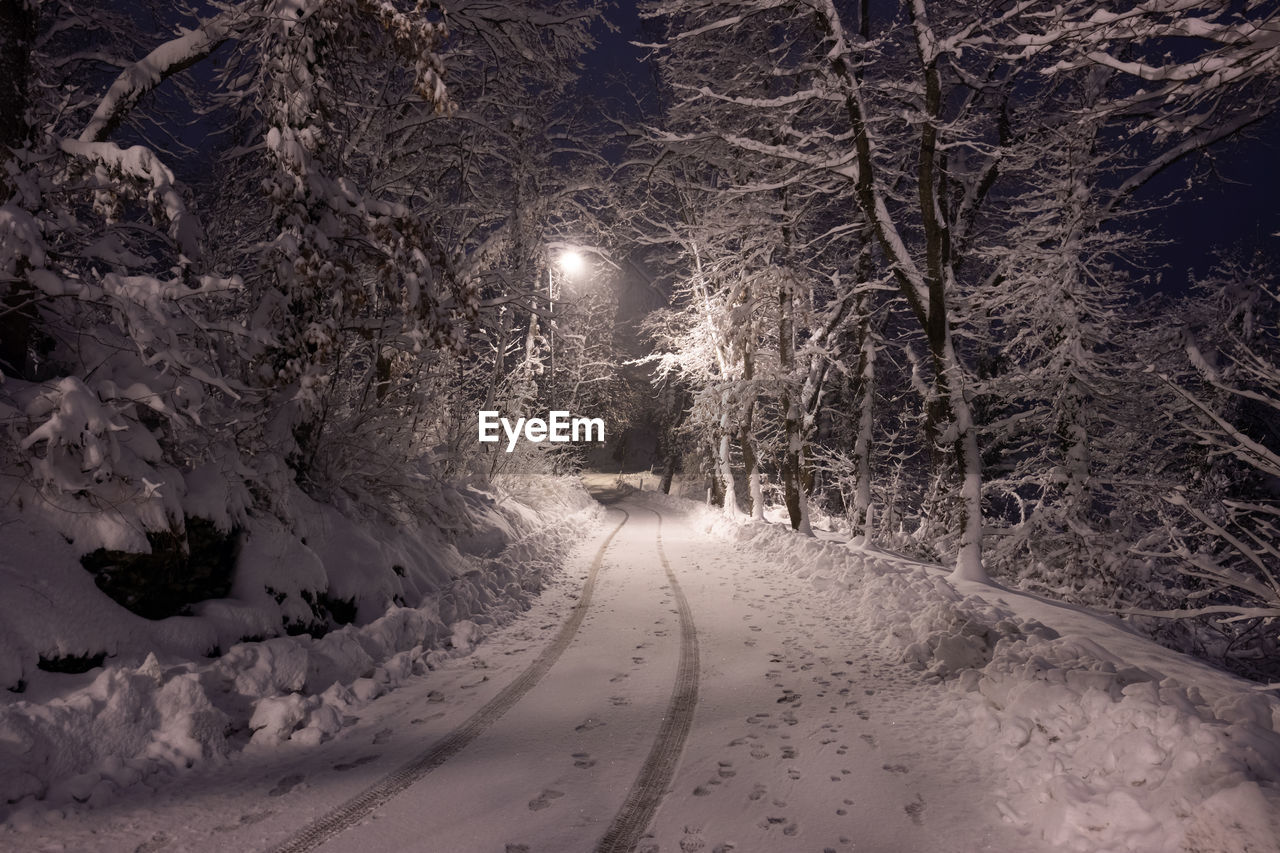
[185, 340]
[929, 120]
[1218, 542]
[1045, 322]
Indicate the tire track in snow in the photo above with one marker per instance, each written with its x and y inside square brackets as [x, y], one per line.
[371, 798]
[659, 767]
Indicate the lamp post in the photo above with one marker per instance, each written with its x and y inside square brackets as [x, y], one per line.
[570, 264]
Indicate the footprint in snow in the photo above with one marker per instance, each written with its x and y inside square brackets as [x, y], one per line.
[381, 736]
[517, 848]
[544, 799]
[692, 841]
[588, 724]
[583, 760]
[417, 721]
[758, 792]
[155, 842]
[896, 768]
[245, 820]
[352, 765]
[789, 827]
[915, 810]
[285, 785]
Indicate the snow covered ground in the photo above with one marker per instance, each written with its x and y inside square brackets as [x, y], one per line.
[847, 699]
[161, 706]
[1099, 739]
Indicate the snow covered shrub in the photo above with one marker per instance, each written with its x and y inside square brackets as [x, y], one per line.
[1218, 544]
[184, 565]
[184, 345]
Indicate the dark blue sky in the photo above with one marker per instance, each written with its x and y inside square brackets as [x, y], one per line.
[1234, 205]
[1234, 199]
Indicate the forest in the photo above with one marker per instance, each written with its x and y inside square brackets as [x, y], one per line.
[900, 266]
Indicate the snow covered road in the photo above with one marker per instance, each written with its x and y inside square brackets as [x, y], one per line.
[575, 760]
[805, 739]
[801, 740]
[557, 736]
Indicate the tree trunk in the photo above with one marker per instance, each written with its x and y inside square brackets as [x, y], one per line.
[923, 289]
[17, 311]
[949, 375]
[750, 461]
[725, 469]
[793, 490]
[17, 34]
[673, 413]
[968, 463]
[864, 390]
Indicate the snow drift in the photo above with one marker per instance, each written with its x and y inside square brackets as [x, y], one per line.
[1112, 742]
[420, 594]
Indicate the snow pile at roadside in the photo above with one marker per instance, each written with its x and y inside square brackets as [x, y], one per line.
[165, 712]
[1112, 742]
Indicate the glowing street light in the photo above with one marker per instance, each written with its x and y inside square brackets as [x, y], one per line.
[571, 263]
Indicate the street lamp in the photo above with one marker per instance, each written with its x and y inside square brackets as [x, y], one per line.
[571, 263]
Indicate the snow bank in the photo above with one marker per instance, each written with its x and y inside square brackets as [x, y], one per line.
[1112, 743]
[160, 708]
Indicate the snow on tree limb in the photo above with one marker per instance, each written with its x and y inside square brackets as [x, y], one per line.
[137, 162]
[1225, 436]
[170, 58]
[416, 38]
